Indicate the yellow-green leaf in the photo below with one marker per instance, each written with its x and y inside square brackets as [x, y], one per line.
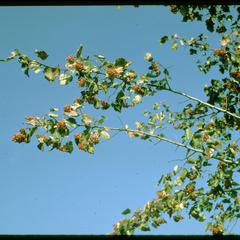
[51, 73]
[105, 134]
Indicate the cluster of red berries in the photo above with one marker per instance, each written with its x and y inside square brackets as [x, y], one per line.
[105, 105]
[205, 137]
[30, 118]
[235, 75]
[67, 108]
[216, 229]
[137, 89]
[79, 100]
[155, 67]
[81, 82]
[220, 52]
[79, 139]
[20, 137]
[174, 8]
[46, 140]
[77, 64]
[161, 194]
[233, 87]
[113, 72]
[70, 59]
[189, 188]
[63, 149]
[61, 125]
[84, 142]
[191, 176]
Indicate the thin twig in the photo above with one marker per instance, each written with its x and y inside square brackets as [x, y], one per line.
[204, 103]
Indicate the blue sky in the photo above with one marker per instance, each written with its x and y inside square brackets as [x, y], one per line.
[57, 193]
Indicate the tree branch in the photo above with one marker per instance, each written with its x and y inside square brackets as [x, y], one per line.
[205, 103]
[160, 138]
[198, 100]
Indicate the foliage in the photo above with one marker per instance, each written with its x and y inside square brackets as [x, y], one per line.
[209, 129]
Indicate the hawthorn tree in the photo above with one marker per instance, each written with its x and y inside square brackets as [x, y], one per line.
[209, 128]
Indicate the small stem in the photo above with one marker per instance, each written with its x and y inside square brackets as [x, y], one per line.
[231, 189]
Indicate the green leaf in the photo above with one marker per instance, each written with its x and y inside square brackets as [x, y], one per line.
[209, 24]
[26, 70]
[90, 149]
[174, 45]
[93, 87]
[71, 121]
[192, 51]
[69, 146]
[32, 131]
[126, 211]
[166, 72]
[184, 10]
[41, 54]
[144, 228]
[86, 119]
[191, 160]
[121, 62]
[51, 73]
[35, 66]
[79, 52]
[15, 52]
[101, 120]
[97, 104]
[103, 87]
[188, 133]
[183, 174]
[163, 39]
[40, 146]
[162, 84]
[201, 218]
[116, 106]
[100, 57]
[115, 85]
[53, 109]
[120, 95]
[160, 180]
